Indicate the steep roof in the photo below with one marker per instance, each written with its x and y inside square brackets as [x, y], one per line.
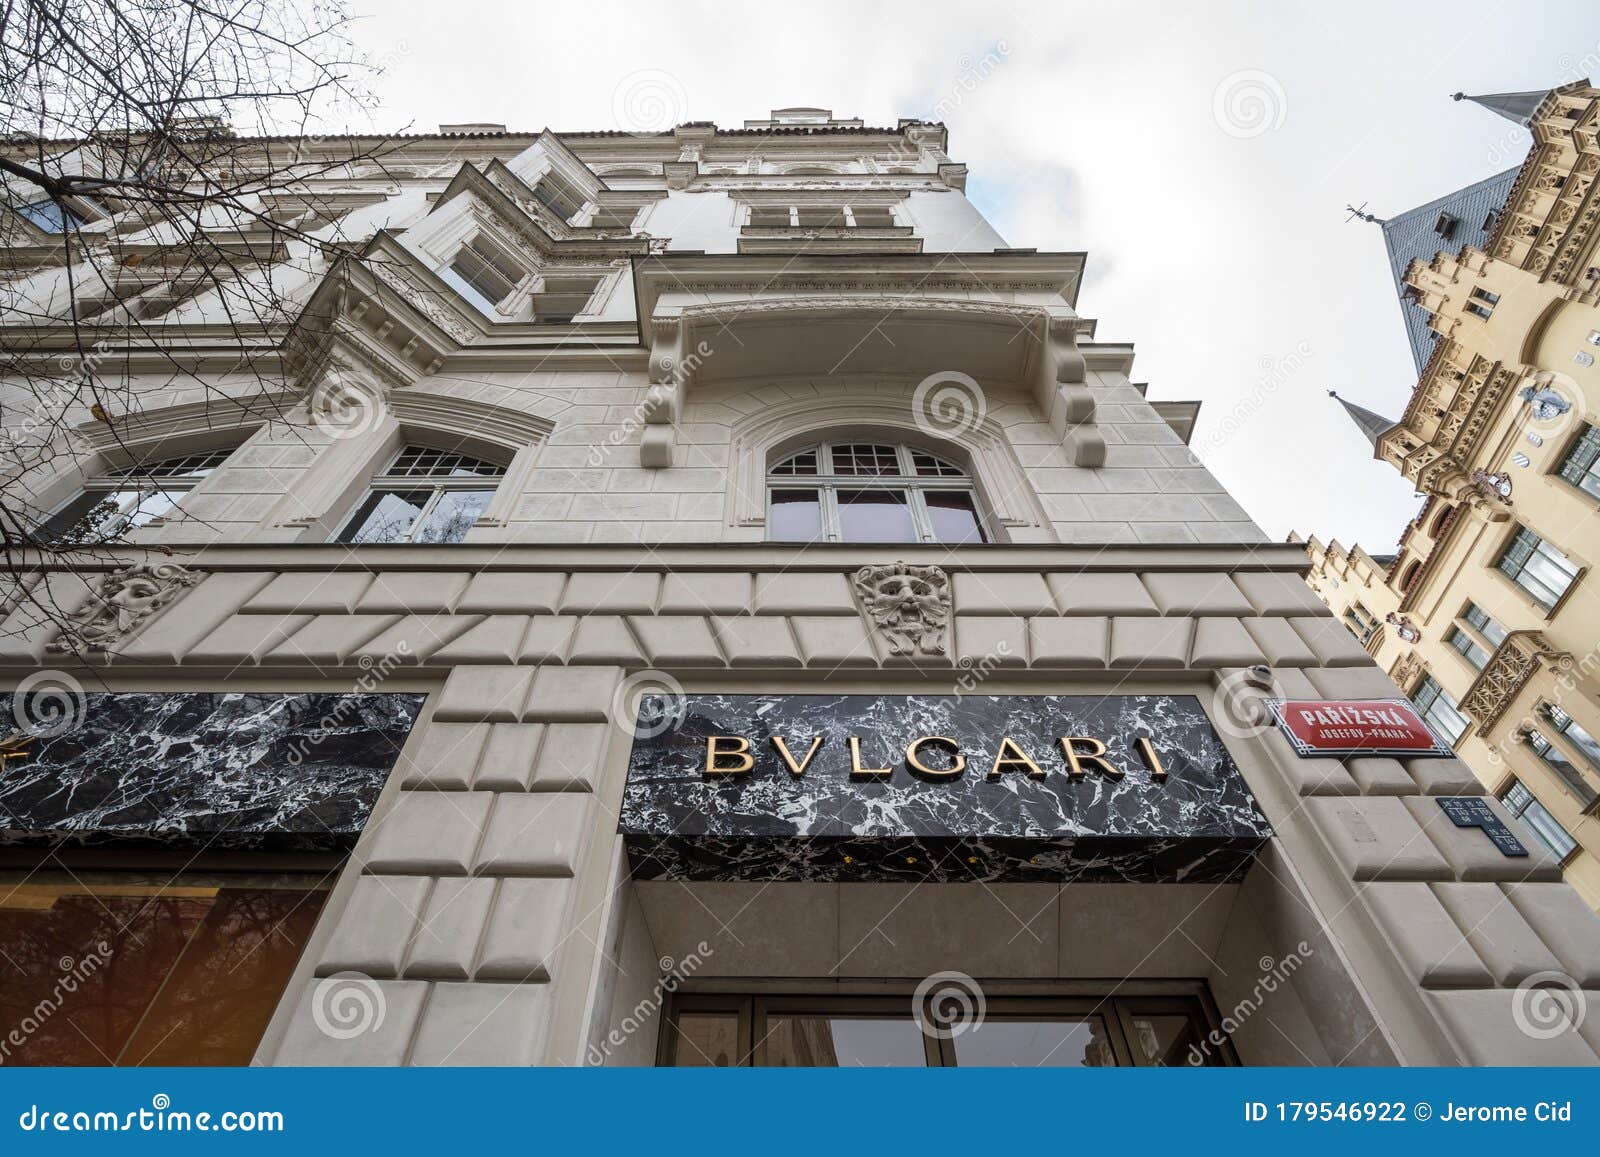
[1412, 236]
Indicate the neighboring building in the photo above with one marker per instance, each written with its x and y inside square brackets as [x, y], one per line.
[1488, 616]
[695, 598]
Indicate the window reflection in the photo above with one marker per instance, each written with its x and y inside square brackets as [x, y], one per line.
[145, 975]
[875, 516]
[1072, 1044]
[840, 1042]
[708, 1040]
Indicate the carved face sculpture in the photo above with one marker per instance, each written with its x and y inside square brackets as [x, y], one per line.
[908, 598]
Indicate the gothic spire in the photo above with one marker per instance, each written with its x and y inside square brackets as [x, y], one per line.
[1514, 106]
[1372, 426]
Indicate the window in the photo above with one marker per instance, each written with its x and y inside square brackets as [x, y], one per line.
[1519, 802]
[52, 216]
[1581, 467]
[1440, 710]
[1538, 568]
[1361, 622]
[1594, 337]
[883, 1032]
[483, 273]
[1480, 621]
[871, 492]
[426, 496]
[1469, 648]
[1586, 744]
[171, 972]
[558, 196]
[1556, 760]
[130, 497]
[1481, 303]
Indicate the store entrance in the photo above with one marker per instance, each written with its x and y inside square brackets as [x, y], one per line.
[944, 1028]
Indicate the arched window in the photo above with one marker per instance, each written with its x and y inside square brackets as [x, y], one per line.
[871, 492]
[129, 497]
[424, 496]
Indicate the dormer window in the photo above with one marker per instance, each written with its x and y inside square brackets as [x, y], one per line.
[1445, 226]
[871, 492]
[483, 273]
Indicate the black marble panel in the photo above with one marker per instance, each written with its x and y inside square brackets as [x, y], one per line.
[265, 772]
[1197, 824]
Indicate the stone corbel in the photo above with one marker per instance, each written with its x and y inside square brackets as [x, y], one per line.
[679, 174]
[1062, 394]
[663, 403]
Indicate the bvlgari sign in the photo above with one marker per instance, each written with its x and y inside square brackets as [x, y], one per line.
[938, 787]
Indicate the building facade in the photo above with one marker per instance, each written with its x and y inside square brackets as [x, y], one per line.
[1486, 615]
[703, 598]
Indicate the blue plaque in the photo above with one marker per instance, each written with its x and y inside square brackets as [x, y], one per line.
[1473, 811]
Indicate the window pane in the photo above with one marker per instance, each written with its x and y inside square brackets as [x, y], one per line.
[1487, 627]
[875, 516]
[1077, 1043]
[1586, 744]
[1470, 651]
[168, 975]
[707, 1039]
[830, 1042]
[1440, 710]
[426, 462]
[453, 515]
[1166, 1040]
[386, 516]
[863, 459]
[804, 462]
[1582, 465]
[796, 516]
[1521, 803]
[932, 467]
[953, 516]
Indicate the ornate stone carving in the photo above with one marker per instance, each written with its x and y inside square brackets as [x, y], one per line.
[1403, 627]
[1407, 669]
[124, 600]
[910, 605]
[1506, 673]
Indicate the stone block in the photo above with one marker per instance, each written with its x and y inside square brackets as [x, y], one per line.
[986, 644]
[495, 639]
[1497, 932]
[1223, 642]
[512, 593]
[573, 694]
[604, 639]
[1069, 642]
[484, 695]
[311, 593]
[548, 639]
[382, 1040]
[1366, 681]
[1568, 927]
[803, 593]
[245, 639]
[571, 757]
[1377, 838]
[611, 593]
[1377, 776]
[707, 593]
[483, 1025]
[1424, 937]
[330, 640]
[1137, 642]
[834, 641]
[1196, 593]
[536, 834]
[757, 641]
[525, 929]
[1278, 593]
[170, 637]
[1331, 642]
[445, 757]
[370, 933]
[1279, 643]
[1485, 1026]
[1444, 777]
[1002, 593]
[678, 641]
[452, 923]
[508, 754]
[414, 592]
[1100, 593]
[428, 833]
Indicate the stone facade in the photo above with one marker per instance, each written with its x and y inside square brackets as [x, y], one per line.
[628, 550]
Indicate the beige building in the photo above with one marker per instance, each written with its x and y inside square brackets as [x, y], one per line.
[698, 597]
[1487, 614]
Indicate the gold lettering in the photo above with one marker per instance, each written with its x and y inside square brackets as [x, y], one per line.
[1010, 757]
[1147, 751]
[14, 746]
[788, 757]
[1095, 755]
[728, 747]
[859, 772]
[915, 765]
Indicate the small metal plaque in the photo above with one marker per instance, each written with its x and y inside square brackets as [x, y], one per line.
[1473, 811]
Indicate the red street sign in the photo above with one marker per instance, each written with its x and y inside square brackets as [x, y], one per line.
[1318, 727]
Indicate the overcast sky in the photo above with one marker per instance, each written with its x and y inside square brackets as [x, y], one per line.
[1201, 153]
